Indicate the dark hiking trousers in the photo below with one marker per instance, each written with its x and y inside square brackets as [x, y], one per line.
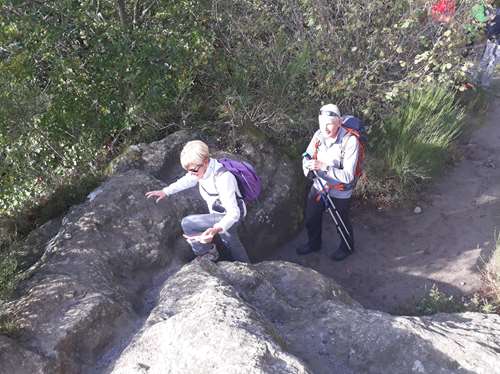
[314, 219]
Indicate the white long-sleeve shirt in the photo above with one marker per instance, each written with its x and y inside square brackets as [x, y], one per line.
[330, 153]
[215, 185]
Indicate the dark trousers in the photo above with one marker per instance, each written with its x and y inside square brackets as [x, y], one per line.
[314, 219]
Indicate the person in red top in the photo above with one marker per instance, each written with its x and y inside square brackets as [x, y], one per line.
[443, 10]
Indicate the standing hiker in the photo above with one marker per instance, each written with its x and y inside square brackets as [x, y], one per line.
[219, 188]
[491, 55]
[332, 159]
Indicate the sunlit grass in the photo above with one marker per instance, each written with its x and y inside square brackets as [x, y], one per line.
[491, 276]
[413, 143]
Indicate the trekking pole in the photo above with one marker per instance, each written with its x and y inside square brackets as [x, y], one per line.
[327, 200]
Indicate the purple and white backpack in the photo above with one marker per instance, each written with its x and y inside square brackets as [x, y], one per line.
[248, 180]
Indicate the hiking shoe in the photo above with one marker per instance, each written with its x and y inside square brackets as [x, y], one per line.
[305, 249]
[211, 255]
[340, 254]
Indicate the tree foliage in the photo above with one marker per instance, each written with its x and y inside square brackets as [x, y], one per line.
[276, 61]
[80, 77]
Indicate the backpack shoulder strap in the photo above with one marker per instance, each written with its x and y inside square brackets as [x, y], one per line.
[216, 173]
[209, 193]
[318, 141]
[219, 172]
[349, 132]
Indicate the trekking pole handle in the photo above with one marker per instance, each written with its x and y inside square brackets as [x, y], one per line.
[328, 201]
[307, 156]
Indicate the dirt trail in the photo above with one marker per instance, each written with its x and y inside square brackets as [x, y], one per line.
[400, 255]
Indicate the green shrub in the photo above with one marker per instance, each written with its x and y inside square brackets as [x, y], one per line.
[482, 304]
[412, 144]
[295, 54]
[8, 266]
[8, 326]
[78, 79]
[438, 302]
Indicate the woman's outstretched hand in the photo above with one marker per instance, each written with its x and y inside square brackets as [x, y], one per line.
[159, 194]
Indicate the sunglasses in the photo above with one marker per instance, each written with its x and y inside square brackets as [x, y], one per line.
[328, 113]
[195, 169]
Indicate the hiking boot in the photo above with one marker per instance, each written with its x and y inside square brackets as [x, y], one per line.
[305, 249]
[340, 254]
[211, 255]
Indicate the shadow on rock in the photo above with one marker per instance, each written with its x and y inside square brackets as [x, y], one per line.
[279, 317]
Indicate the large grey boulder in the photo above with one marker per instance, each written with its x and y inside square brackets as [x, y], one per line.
[34, 245]
[278, 212]
[276, 317]
[83, 292]
[15, 359]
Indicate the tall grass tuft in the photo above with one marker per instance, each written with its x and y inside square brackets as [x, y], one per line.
[413, 142]
[491, 277]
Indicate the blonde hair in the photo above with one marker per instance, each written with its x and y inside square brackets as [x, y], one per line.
[194, 152]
